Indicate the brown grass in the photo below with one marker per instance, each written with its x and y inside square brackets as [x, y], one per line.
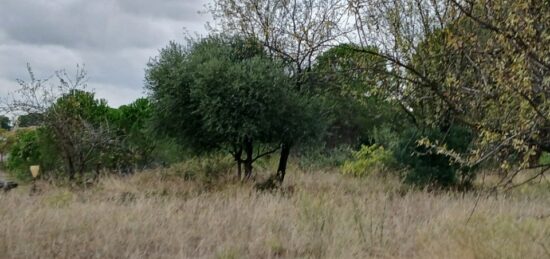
[322, 215]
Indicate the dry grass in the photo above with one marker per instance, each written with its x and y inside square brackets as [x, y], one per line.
[322, 215]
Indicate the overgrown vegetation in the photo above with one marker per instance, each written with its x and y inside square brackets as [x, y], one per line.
[369, 160]
[317, 214]
[452, 90]
[307, 128]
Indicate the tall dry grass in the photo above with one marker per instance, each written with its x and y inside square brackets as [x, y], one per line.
[321, 215]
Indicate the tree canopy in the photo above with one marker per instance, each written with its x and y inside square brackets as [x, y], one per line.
[4, 122]
[224, 92]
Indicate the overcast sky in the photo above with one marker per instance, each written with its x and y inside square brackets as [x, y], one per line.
[114, 39]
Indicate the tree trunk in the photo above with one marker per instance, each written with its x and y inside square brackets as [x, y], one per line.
[281, 170]
[248, 149]
[97, 171]
[238, 159]
[239, 169]
[81, 166]
[70, 168]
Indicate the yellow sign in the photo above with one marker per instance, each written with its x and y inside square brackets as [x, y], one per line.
[35, 170]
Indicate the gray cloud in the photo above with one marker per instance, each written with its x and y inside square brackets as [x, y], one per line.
[113, 38]
[167, 9]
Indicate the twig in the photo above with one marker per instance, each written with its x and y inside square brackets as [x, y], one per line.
[473, 209]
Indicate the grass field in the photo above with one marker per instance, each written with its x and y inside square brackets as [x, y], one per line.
[319, 214]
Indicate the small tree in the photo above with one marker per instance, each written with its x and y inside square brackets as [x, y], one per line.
[224, 93]
[77, 122]
[24, 152]
[71, 118]
[5, 122]
[354, 90]
[29, 120]
[130, 123]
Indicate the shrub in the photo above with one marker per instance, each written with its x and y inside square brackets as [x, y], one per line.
[206, 169]
[428, 168]
[24, 153]
[167, 151]
[7, 139]
[368, 161]
[544, 158]
[313, 157]
[31, 147]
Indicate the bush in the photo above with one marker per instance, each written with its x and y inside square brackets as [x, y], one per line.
[207, 169]
[31, 147]
[368, 161]
[427, 168]
[23, 154]
[544, 158]
[167, 151]
[312, 158]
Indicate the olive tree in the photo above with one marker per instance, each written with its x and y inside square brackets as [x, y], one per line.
[225, 93]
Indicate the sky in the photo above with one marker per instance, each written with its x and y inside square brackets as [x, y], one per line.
[112, 39]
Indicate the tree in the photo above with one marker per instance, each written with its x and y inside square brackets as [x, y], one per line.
[77, 122]
[506, 45]
[481, 64]
[293, 31]
[5, 123]
[224, 93]
[29, 120]
[130, 124]
[354, 87]
[24, 151]
[72, 120]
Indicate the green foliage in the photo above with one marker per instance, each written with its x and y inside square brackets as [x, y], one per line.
[78, 104]
[168, 85]
[426, 167]
[224, 93]
[351, 70]
[82, 134]
[488, 70]
[544, 159]
[167, 151]
[5, 122]
[23, 154]
[7, 138]
[312, 158]
[353, 87]
[369, 160]
[216, 91]
[78, 125]
[130, 123]
[29, 120]
[206, 169]
[31, 147]
[242, 100]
